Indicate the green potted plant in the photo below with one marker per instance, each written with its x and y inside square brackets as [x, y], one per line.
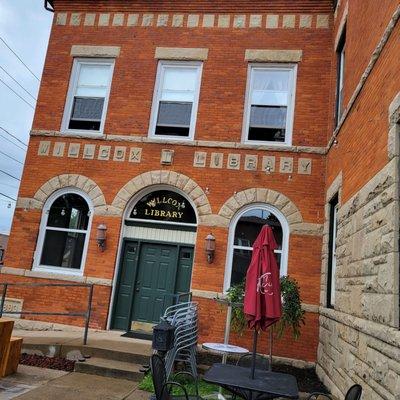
[292, 313]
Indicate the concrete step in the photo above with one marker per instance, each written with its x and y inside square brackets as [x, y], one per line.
[106, 353]
[110, 368]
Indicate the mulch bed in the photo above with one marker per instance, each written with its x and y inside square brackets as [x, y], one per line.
[58, 363]
[307, 379]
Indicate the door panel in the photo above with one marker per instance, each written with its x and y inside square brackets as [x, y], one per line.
[125, 286]
[155, 281]
[184, 274]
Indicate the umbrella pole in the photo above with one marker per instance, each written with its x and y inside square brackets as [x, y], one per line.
[271, 329]
[253, 363]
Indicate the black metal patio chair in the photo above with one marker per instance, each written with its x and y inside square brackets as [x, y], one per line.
[354, 393]
[262, 363]
[163, 388]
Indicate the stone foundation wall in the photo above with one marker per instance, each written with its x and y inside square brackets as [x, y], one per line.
[360, 339]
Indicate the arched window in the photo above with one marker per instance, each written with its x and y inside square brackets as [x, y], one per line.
[64, 232]
[245, 227]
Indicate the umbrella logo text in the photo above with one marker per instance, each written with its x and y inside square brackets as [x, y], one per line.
[264, 284]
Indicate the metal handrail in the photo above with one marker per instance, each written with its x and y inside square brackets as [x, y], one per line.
[85, 314]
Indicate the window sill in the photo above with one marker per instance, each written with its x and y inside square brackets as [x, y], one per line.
[51, 273]
[83, 133]
[170, 138]
[266, 143]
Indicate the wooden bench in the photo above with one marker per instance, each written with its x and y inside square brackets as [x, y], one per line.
[10, 348]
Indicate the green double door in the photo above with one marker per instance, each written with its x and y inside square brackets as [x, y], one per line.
[150, 275]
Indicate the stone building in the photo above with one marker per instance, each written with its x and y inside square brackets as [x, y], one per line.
[359, 338]
[159, 123]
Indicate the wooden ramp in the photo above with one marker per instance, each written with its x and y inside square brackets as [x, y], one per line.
[10, 348]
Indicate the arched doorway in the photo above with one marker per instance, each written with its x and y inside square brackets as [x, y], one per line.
[156, 259]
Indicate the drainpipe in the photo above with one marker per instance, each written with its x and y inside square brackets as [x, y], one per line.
[48, 5]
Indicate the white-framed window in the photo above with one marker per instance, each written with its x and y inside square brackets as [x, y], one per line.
[64, 232]
[269, 107]
[175, 100]
[88, 94]
[341, 57]
[243, 231]
[331, 283]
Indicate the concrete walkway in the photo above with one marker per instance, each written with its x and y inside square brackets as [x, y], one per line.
[38, 383]
[108, 340]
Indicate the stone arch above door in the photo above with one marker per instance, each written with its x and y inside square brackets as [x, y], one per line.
[162, 177]
[273, 198]
[77, 181]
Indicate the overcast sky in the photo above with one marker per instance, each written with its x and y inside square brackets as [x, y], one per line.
[25, 27]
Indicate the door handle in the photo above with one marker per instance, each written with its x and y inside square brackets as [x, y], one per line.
[138, 286]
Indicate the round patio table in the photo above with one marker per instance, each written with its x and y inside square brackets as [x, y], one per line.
[224, 349]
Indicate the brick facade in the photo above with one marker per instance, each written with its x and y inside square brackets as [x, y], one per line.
[133, 30]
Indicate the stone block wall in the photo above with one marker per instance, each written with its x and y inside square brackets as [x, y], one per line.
[360, 339]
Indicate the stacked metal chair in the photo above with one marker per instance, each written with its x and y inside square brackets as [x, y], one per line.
[184, 317]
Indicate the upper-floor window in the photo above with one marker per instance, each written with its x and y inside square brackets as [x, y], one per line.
[176, 99]
[341, 51]
[270, 104]
[88, 94]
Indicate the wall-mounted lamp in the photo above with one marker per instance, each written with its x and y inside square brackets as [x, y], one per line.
[101, 236]
[210, 247]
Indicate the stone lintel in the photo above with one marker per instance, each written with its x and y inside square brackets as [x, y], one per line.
[181, 53]
[95, 51]
[254, 55]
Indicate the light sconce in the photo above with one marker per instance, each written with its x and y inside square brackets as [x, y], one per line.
[101, 236]
[210, 247]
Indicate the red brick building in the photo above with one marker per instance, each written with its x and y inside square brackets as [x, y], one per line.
[167, 121]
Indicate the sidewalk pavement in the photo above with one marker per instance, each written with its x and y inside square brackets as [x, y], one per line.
[32, 383]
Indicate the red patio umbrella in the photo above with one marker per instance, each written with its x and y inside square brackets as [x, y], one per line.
[262, 298]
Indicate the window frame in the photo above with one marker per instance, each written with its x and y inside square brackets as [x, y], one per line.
[37, 266]
[162, 65]
[340, 69]
[231, 237]
[331, 267]
[75, 72]
[292, 68]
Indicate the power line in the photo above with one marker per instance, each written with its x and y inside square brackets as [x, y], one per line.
[13, 136]
[19, 58]
[15, 144]
[8, 197]
[33, 97]
[11, 157]
[29, 104]
[11, 176]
